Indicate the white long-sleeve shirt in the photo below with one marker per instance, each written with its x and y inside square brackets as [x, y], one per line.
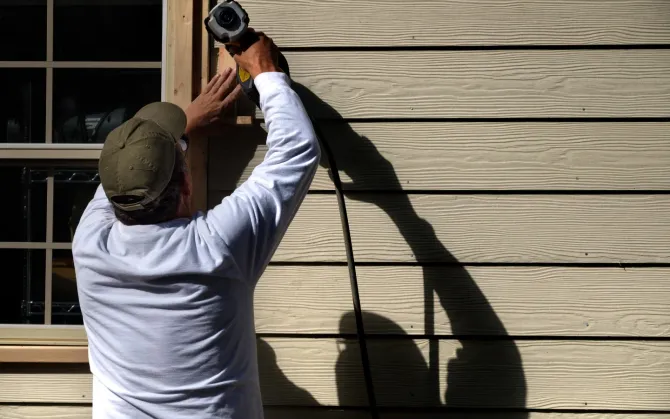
[168, 308]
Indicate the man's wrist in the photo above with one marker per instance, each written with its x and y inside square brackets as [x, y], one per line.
[190, 124]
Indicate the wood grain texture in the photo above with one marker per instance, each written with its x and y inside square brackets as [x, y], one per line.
[485, 84]
[36, 383]
[182, 56]
[534, 374]
[306, 372]
[178, 70]
[482, 228]
[351, 23]
[519, 301]
[315, 234]
[303, 299]
[510, 228]
[471, 156]
[530, 301]
[539, 301]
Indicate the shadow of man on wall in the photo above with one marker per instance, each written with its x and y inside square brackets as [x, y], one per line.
[480, 373]
[483, 373]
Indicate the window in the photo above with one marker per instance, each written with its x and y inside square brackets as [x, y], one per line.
[79, 69]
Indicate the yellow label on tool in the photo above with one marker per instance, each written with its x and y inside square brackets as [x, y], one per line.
[244, 75]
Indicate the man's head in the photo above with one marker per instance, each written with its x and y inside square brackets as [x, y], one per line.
[143, 169]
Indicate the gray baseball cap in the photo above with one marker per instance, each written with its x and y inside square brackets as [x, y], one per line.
[138, 157]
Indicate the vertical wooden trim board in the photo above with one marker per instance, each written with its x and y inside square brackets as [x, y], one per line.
[181, 59]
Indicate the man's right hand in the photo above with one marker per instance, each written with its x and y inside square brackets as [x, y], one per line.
[256, 53]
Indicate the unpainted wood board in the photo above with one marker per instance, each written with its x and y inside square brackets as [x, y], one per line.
[294, 372]
[518, 301]
[484, 83]
[303, 299]
[181, 56]
[179, 53]
[397, 23]
[315, 234]
[510, 228]
[471, 156]
[533, 374]
[601, 375]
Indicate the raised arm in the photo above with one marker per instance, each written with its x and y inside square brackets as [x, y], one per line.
[98, 211]
[252, 221]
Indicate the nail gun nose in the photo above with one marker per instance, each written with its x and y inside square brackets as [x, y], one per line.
[228, 19]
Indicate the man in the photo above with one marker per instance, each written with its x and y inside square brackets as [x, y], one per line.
[167, 296]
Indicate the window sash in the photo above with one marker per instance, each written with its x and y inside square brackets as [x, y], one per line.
[10, 150]
[57, 155]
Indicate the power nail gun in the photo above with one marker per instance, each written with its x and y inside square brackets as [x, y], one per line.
[227, 23]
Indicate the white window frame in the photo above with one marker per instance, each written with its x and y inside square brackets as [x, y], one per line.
[54, 151]
[47, 334]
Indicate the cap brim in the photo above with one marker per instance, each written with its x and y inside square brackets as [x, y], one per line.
[166, 115]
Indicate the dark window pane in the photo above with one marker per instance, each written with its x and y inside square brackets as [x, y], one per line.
[23, 30]
[22, 296]
[23, 215]
[73, 191]
[65, 305]
[89, 103]
[22, 105]
[108, 30]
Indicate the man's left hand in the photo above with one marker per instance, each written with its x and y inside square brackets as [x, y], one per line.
[217, 97]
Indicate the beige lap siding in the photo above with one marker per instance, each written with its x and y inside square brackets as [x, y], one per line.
[398, 23]
[514, 212]
[474, 156]
[314, 372]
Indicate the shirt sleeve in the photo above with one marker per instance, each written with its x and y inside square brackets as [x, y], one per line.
[98, 211]
[252, 221]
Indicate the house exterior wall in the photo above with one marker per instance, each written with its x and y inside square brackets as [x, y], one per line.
[506, 167]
